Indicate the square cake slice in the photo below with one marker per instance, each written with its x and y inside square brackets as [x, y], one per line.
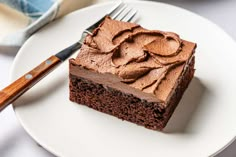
[132, 73]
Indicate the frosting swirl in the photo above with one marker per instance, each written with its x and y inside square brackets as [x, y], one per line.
[141, 58]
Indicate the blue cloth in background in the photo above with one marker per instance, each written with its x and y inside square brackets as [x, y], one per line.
[32, 8]
[40, 12]
[37, 13]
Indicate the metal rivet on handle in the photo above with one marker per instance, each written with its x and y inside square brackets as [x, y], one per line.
[48, 62]
[28, 76]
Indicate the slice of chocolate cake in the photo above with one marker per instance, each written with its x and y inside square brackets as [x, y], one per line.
[132, 73]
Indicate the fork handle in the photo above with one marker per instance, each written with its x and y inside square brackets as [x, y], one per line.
[10, 93]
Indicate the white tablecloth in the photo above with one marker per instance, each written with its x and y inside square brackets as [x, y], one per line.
[15, 142]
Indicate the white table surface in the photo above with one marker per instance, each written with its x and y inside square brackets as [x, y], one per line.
[15, 142]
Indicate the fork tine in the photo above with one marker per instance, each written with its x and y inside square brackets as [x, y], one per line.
[131, 17]
[126, 14]
[119, 12]
[114, 9]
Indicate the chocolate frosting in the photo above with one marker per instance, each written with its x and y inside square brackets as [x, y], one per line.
[144, 59]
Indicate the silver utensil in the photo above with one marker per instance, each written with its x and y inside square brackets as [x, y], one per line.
[9, 94]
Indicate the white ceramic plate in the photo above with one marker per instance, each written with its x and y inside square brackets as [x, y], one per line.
[202, 125]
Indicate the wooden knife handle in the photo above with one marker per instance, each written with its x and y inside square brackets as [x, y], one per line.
[21, 85]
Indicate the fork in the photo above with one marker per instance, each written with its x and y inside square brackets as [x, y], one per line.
[9, 94]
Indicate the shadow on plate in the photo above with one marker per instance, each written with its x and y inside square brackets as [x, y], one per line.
[15, 137]
[43, 92]
[189, 103]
